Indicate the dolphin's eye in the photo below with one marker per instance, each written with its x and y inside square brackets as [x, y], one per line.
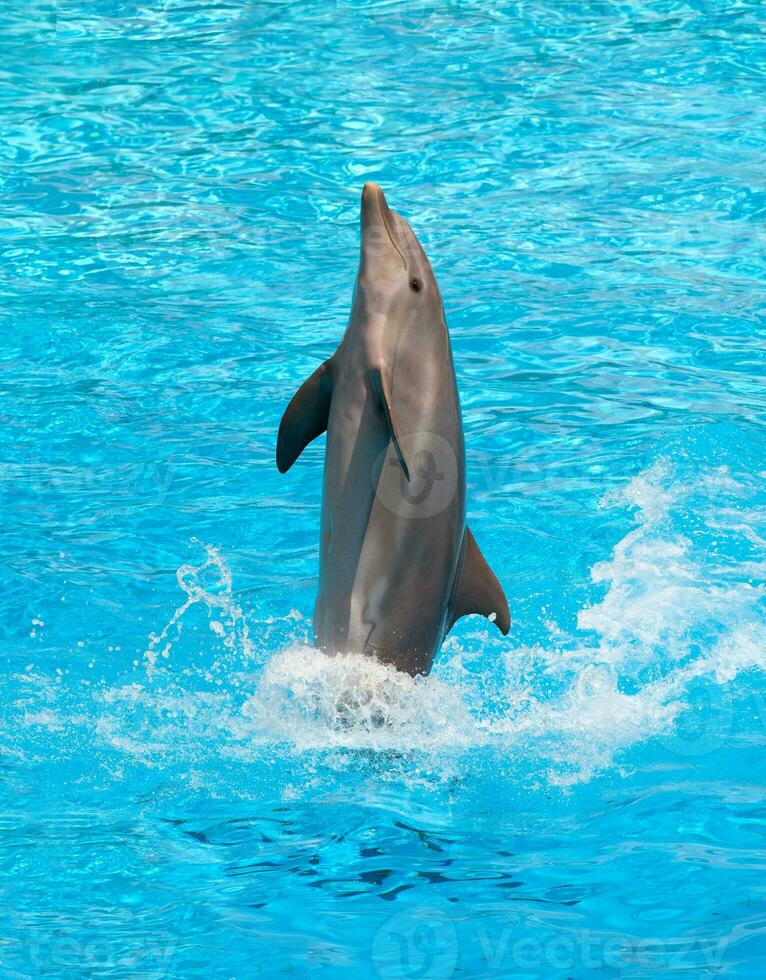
[415, 284]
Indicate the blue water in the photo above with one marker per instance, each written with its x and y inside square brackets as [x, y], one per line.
[188, 789]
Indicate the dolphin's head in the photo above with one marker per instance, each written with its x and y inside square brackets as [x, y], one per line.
[395, 277]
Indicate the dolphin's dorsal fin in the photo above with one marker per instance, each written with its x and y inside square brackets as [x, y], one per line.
[381, 391]
[305, 417]
[476, 589]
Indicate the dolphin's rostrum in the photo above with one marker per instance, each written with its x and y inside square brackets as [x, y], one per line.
[398, 563]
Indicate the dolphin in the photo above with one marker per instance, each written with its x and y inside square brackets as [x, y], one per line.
[398, 564]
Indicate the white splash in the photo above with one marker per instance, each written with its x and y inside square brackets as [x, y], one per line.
[217, 596]
[669, 625]
[312, 701]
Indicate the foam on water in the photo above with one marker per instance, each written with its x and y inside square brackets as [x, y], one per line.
[311, 701]
[665, 640]
[659, 649]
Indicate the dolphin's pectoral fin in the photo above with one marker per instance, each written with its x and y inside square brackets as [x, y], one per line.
[476, 590]
[305, 417]
[381, 391]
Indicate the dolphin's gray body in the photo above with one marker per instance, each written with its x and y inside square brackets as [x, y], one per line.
[398, 564]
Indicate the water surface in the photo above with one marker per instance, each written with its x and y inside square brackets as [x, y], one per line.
[187, 788]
